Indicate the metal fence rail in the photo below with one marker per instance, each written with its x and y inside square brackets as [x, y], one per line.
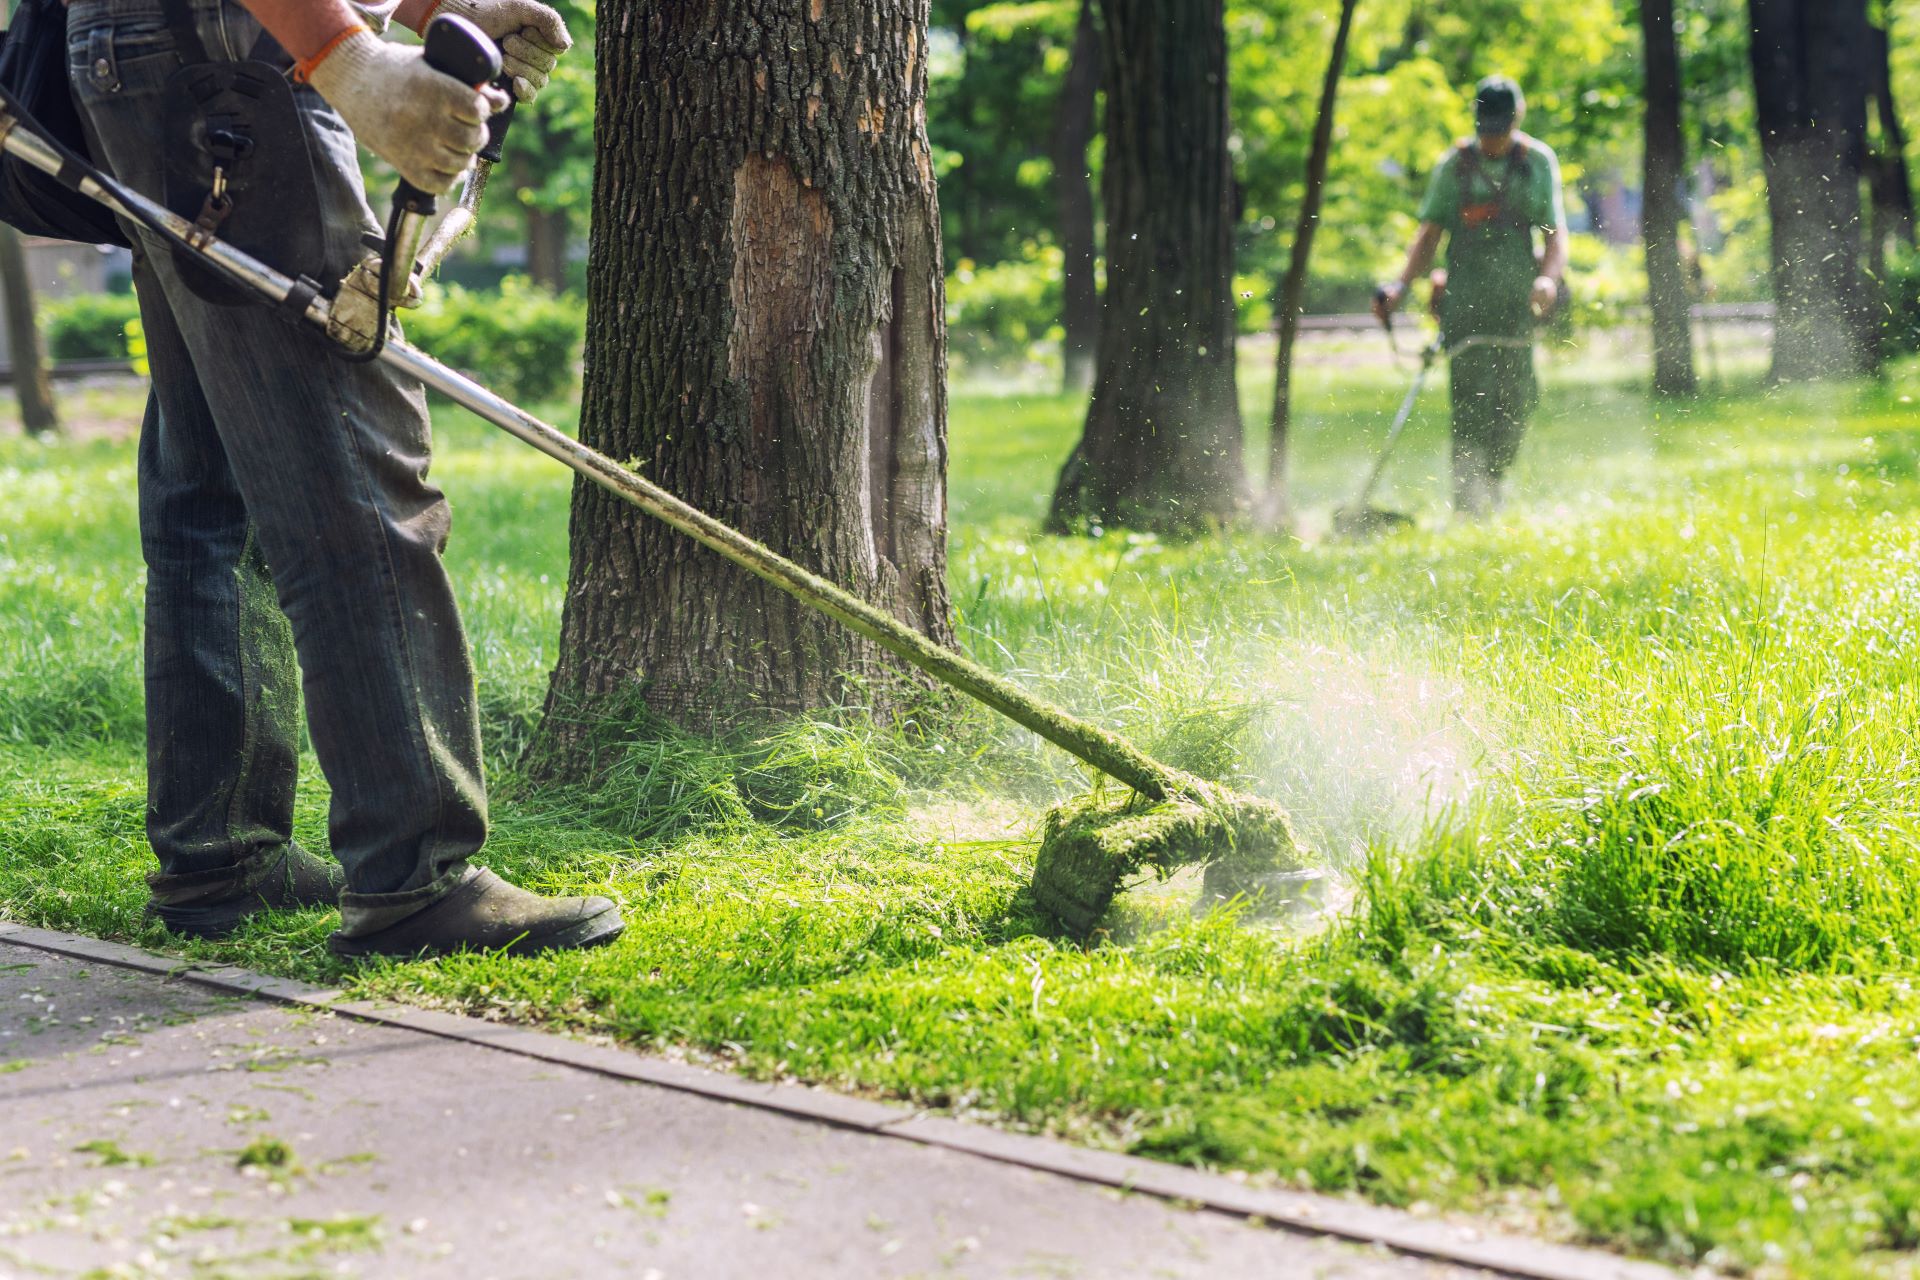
[72, 370]
[1706, 312]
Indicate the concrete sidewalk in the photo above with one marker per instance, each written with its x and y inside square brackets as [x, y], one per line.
[153, 1127]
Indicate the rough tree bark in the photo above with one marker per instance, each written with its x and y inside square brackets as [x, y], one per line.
[1889, 179]
[1810, 88]
[1276, 506]
[32, 382]
[765, 338]
[1666, 162]
[1162, 444]
[1073, 125]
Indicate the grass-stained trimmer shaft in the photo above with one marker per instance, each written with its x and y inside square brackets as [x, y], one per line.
[1088, 846]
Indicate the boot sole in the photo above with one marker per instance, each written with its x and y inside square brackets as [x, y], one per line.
[218, 922]
[594, 931]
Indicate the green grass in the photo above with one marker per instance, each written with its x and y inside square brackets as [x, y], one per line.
[1626, 783]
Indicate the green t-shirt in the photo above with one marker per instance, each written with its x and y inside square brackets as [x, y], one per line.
[1489, 209]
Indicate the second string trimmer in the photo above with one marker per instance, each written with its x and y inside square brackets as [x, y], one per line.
[1361, 519]
[1089, 847]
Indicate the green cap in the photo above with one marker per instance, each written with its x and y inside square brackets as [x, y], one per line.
[1498, 105]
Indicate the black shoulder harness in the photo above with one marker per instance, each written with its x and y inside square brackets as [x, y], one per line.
[1477, 216]
[237, 160]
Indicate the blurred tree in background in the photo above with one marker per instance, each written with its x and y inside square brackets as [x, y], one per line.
[548, 164]
[1889, 176]
[997, 72]
[1162, 446]
[1275, 510]
[1668, 286]
[1810, 89]
[1076, 220]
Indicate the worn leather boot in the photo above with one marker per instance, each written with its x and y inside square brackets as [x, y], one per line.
[212, 904]
[482, 912]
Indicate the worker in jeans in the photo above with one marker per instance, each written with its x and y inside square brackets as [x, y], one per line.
[289, 529]
[1488, 196]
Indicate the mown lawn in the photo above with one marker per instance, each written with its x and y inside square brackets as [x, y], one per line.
[1627, 785]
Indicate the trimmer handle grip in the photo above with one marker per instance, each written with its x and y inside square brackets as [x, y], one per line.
[455, 47]
[458, 48]
[499, 123]
[1383, 306]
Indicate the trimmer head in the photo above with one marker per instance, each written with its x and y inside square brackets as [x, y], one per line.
[1357, 523]
[1089, 846]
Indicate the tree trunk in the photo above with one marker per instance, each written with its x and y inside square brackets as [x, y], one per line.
[1666, 163]
[1890, 181]
[546, 229]
[32, 383]
[963, 193]
[547, 248]
[1162, 448]
[1073, 198]
[1276, 511]
[1810, 90]
[765, 338]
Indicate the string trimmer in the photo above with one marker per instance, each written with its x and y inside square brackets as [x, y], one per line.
[1089, 846]
[1361, 519]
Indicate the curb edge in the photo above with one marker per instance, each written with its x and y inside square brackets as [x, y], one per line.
[1300, 1212]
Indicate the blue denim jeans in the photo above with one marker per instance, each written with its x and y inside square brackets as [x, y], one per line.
[290, 532]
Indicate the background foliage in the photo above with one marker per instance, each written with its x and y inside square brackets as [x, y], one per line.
[996, 70]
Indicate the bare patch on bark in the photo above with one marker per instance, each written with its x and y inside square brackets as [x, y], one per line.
[781, 289]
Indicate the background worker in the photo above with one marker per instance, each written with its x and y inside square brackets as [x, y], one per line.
[287, 521]
[1488, 195]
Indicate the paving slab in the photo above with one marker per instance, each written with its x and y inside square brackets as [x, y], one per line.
[153, 1126]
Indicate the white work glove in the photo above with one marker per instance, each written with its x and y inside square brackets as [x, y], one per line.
[531, 36]
[354, 321]
[426, 125]
[1546, 292]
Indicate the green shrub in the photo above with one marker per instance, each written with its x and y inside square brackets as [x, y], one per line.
[1606, 285]
[1007, 310]
[1253, 298]
[89, 326]
[523, 342]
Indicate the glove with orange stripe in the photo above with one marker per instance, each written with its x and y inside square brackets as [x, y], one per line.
[426, 125]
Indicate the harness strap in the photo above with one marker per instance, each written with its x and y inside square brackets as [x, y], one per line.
[186, 33]
[193, 50]
[1473, 165]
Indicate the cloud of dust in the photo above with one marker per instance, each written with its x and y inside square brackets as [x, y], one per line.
[1364, 750]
